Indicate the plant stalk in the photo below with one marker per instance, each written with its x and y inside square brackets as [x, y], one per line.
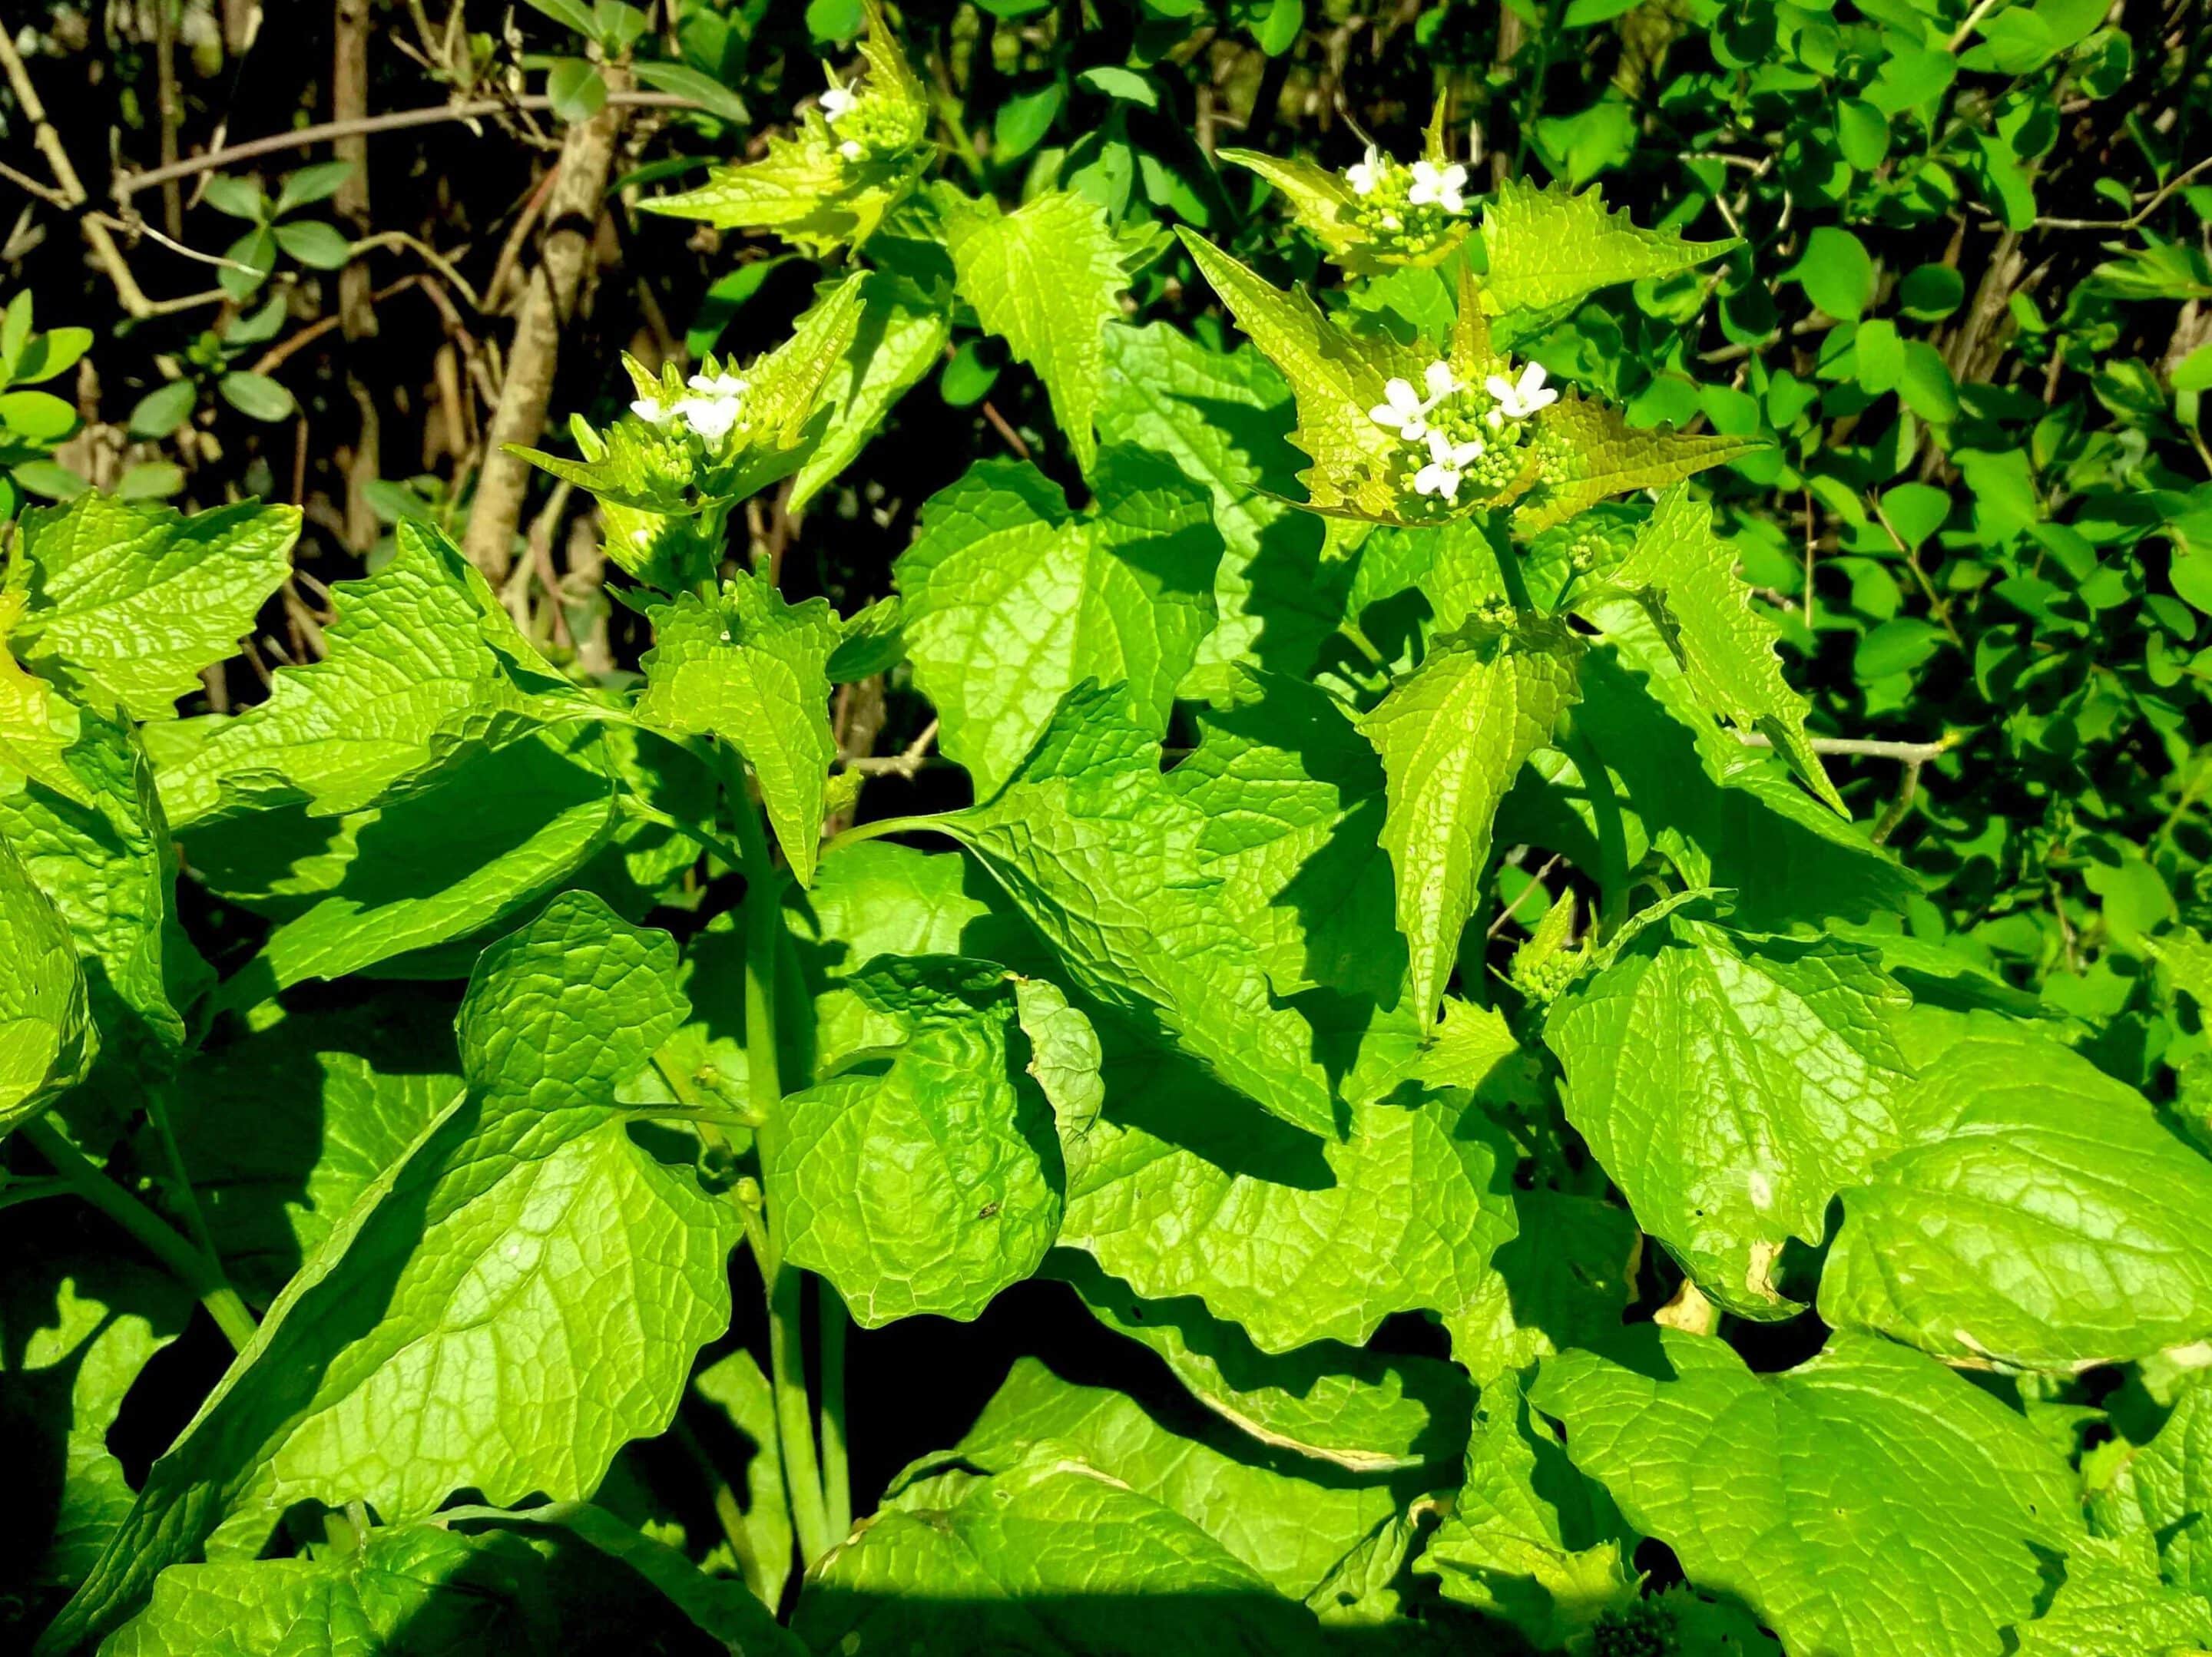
[833, 1323]
[1612, 831]
[198, 1271]
[795, 1422]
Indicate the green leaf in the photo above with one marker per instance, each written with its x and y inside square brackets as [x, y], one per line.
[1065, 1059]
[2037, 1214]
[752, 670]
[1726, 648]
[2187, 959]
[709, 94]
[873, 898]
[1047, 279]
[423, 666]
[1588, 453]
[101, 852]
[81, 1326]
[1871, 1502]
[576, 89]
[1730, 1086]
[901, 335]
[806, 190]
[1291, 1532]
[1361, 1410]
[47, 1040]
[1223, 419]
[137, 599]
[2111, 1601]
[1104, 857]
[313, 184]
[1722, 813]
[1564, 1279]
[736, 1387]
[161, 412]
[445, 1314]
[1324, 206]
[1304, 1241]
[54, 352]
[1293, 794]
[1552, 246]
[1528, 1540]
[504, 828]
[284, 1128]
[1452, 737]
[928, 1180]
[36, 724]
[1010, 600]
[256, 396]
[1836, 273]
[314, 244]
[712, 1605]
[1336, 376]
[2163, 1490]
[436, 1591]
[1051, 1555]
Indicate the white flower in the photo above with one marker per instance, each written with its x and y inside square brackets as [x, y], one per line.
[838, 103]
[1441, 382]
[1519, 401]
[652, 411]
[1401, 410]
[711, 417]
[1363, 176]
[722, 385]
[850, 149]
[1439, 185]
[1447, 460]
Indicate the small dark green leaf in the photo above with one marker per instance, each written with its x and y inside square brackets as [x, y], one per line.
[256, 396]
[161, 412]
[576, 88]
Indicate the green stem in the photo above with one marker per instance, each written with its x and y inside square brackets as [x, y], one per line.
[198, 1271]
[157, 1111]
[1611, 832]
[831, 1322]
[783, 1285]
[1508, 572]
[794, 1426]
[875, 830]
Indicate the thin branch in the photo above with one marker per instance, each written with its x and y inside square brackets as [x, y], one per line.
[429, 255]
[136, 227]
[306, 136]
[2157, 200]
[31, 186]
[1912, 753]
[905, 764]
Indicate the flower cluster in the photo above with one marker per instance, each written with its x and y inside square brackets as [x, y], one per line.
[714, 407]
[1472, 434]
[1408, 209]
[868, 128]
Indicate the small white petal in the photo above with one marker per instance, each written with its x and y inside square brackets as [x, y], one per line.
[1532, 380]
[851, 150]
[1464, 455]
[1440, 380]
[1400, 394]
[836, 102]
[651, 410]
[1499, 387]
[1449, 199]
[711, 417]
[1440, 448]
[1455, 177]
